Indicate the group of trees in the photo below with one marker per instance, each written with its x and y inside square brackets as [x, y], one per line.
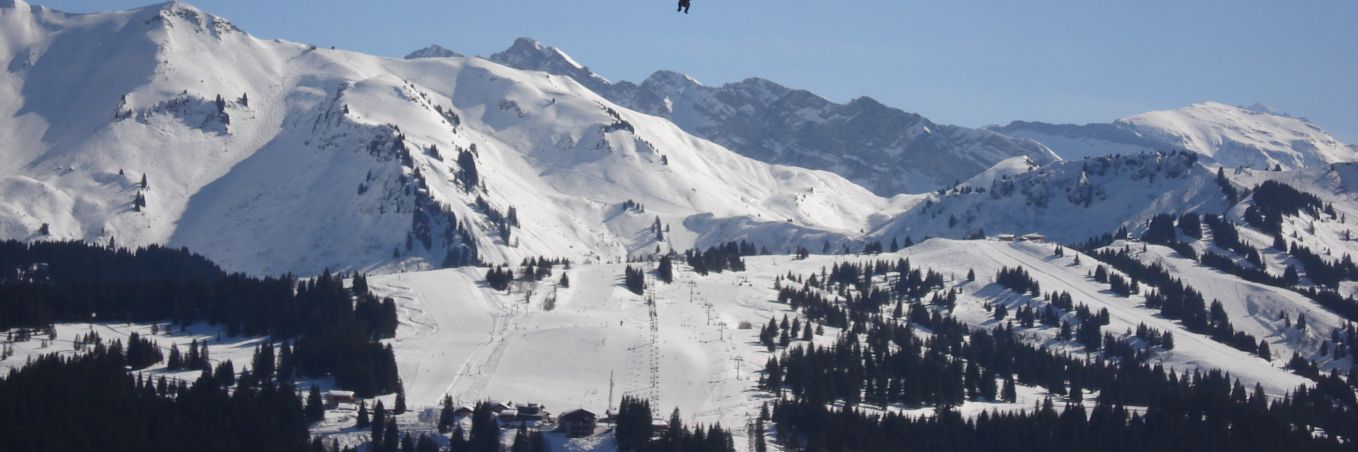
[197, 358]
[1177, 300]
[1274, 200]
[1194, 415]
[89, 403]
[499, 277]
[385, 435]
[634, 432]
[1323, 272]
[1017, 280]
[142, 352]
[776, 334]
[717, 259]
[634, 279]
[883, 359]
[665, 270]
[334, 329]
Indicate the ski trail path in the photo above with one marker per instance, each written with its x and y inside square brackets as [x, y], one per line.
[449, 337]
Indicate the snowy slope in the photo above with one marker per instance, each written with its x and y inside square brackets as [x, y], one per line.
[1337, 186]
[887, 150]
[460, 338]
[1067, 201]
[317, 158]
[1255, 136]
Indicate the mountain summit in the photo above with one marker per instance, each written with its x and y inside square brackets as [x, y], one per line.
[885, 149]
[433, 51]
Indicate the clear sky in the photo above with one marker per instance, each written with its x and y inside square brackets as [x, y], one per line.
[963, 62]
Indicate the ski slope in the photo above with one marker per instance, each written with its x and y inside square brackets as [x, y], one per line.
[460, 338]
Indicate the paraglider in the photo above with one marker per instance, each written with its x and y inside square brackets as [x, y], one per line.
[683, 6]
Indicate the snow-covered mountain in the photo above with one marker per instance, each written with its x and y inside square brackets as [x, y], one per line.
[1253, 136]
[1068, 201]
[433, 51]
[166, 124]
[887, 150]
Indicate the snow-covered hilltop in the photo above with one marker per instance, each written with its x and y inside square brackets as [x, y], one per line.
[166, 124]
[1253, 136]
[887, 150]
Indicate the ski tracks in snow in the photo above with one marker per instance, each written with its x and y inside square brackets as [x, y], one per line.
[441, 332]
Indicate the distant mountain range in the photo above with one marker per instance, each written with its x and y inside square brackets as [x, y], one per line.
[891, 151]
[885, 149]
[1253, 137]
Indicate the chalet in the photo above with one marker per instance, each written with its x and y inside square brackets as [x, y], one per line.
[531, 412]
[509, 416]
[334, 398]
[659, 427]
[463, 411]
[577, 423]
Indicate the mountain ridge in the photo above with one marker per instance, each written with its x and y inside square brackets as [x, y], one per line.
[1255, 136]
[879, 147]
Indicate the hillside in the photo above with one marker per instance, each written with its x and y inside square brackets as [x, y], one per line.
[1068, 201]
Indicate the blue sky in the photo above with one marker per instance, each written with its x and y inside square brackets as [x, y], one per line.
[963, 62]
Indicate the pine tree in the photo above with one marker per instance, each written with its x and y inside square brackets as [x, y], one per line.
[285, 362]
[315, 408]
[426, 444]
[225, 374]
[176, 360]
[407, 443]
[391, 438]
[400, 401]
[665, 271]
[522, 443]
[1010, 391]
[379, 422]
[446, 415]
[759, 442]
[467, 163]
[363, 420]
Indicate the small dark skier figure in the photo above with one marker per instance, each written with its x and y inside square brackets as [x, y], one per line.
[683, 6]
